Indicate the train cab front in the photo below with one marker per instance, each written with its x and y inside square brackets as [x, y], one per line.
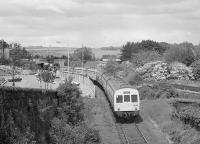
[127, 103]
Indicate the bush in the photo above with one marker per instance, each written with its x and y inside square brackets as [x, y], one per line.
[196, 69]
[139, 59]
[61, 132]
[188, 113]
[113, 67]
[134, 78]
[156, 91]
[154, 71]
[181, 54]
[92, 136]
[180, 71]
[21, 116]
[71, 105]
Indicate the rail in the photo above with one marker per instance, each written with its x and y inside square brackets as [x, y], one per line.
[142, 135]
[122, 134]
[139, 137]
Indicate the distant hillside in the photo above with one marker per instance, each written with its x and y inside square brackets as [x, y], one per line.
[59, 51]
[110, 48]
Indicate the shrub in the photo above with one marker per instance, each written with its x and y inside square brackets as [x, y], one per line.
[71, 102]
[188, 112]
[156, 91]
[155, 71]
[61, 132]
[21, 116]
[180, 71]
[139, 59]
[181, 54]
[196, 69]
[134, 78]
[92, 135]
[112, 67]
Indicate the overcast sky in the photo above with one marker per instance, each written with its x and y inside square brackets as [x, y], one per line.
[97, 23]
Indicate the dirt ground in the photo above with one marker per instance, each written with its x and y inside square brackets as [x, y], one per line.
[98, 116]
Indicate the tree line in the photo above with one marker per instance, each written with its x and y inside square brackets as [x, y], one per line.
[149, 50]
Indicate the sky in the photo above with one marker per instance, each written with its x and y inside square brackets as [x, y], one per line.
[98, 23]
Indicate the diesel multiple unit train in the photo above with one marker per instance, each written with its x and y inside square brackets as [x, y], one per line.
[123, 98]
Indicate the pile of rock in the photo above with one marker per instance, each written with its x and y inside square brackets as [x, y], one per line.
[159, 70]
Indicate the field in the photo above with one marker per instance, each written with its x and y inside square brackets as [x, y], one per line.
[59, 51]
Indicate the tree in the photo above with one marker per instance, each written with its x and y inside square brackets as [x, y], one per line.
[139, 59]
[3, 45]
[47, 77]
[72, 105]
[127, 50]
[182, 53]
[18, 53]
[131, 48]
[112, 68]
[50, 58]
[84, 54]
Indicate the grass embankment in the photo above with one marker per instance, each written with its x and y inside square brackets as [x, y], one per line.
[179, 129]
[98, 117]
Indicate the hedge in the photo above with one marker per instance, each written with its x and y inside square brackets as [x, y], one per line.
[20, 110]
[187, 112]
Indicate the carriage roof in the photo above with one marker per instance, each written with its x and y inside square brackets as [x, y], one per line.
[115, 82]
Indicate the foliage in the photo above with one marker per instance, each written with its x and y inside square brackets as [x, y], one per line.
[18, 53]
[47, 77]
[131, 48]
[5, 61]
[139, 59]
[180, 71]
[57, 65]
[64, 133]
[189, 113]
[182, 53]
[20, 117]
[196, 69]
[134, 78]
[197, 52]
[3, 46]
[127, 50]
[84, 54]
[71, 108]
[68, 126]
[112, 67]
[158, 70]
[153, 71]
[149, 45]
[156, 91]
[50, 58]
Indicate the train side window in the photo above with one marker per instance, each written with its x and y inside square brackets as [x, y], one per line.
[119, 99]
[134, 98]
[126, 98]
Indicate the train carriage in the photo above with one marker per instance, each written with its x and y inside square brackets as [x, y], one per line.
[124, 99]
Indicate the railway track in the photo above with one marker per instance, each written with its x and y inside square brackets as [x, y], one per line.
[131, 134]
[128, 133]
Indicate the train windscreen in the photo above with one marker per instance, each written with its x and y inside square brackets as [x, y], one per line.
[134, 98]
[126, 98]
[119, 99]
